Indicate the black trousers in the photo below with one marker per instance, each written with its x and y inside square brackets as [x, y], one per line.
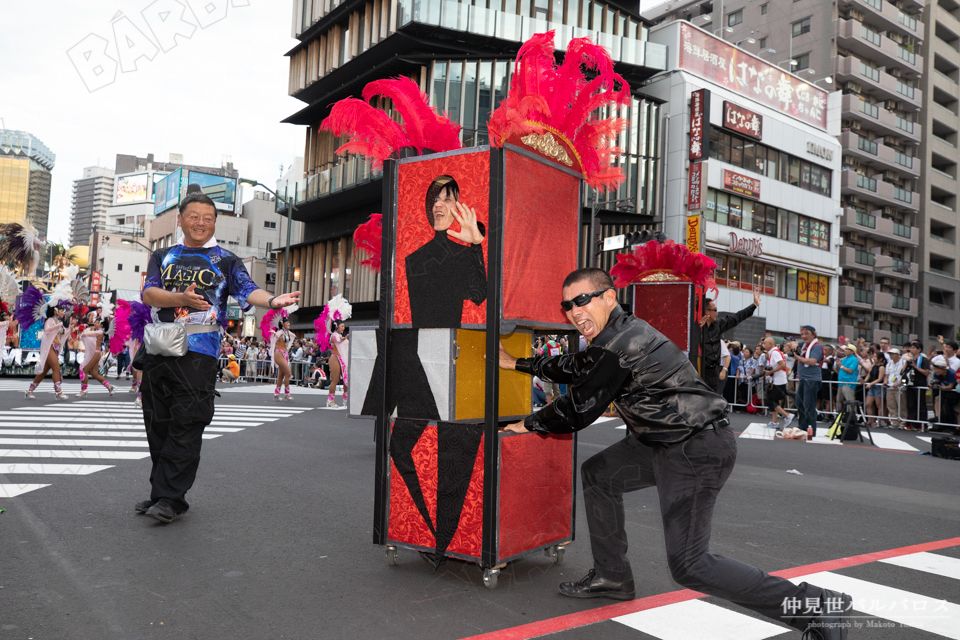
[688, 477]
[916, 405]
[177, 406]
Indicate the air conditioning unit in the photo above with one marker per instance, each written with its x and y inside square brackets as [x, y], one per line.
[890, 211]
[891, 141]
[856, 14]
[856, 125]
[895, 72]
[854, 236]
[893, 105]
[896, 37]
[891, 175]
[851, 87]
[853, 200]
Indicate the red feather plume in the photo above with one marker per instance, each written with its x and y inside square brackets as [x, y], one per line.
[374, 134]
[545, 97]
[659, 257]
[367, 241]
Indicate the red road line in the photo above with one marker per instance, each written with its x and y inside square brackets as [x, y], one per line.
[600, 614]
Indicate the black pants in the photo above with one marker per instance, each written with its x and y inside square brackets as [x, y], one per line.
[916, 405]
[177, 406]
[688, 477]
[122, 361]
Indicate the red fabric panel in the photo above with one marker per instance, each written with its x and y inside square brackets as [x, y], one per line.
[536, 491]
[472, 173]
[469, 536]
[666, 307]
[406, 523]
[540, 238]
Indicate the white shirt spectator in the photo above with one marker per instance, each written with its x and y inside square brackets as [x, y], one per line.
[774, 357]
[954, 362]
[893, 371]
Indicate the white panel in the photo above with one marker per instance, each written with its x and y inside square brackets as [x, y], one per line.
[80, 454]
[887, 441]
[701, 620]
[434, 351]
[929, 563]
[13, 490]
[363, 355]
[52, 469]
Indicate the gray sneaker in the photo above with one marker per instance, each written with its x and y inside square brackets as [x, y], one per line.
[773, 425]
[789, 420]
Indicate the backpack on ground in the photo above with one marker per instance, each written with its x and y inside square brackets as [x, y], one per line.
[945, 447]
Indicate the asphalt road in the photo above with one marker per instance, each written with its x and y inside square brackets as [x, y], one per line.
[277, 543]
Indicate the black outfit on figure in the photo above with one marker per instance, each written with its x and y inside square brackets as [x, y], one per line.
[710, 344]
[678, 441]
[917, 393]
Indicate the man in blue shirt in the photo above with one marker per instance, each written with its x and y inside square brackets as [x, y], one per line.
[809, 377]
[848, 374]
[189, 283]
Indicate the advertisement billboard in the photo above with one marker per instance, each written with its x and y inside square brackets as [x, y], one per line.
[167, 192]
[157, 178]
[132, 188]
[223, 191]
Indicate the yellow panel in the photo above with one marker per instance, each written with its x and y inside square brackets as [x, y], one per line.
[515, 387]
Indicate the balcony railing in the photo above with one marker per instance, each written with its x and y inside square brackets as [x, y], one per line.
[869, 72]
[905, 89]
[872, 110]
[903, 159]
[908, 21]
[904, 125]
[867, 145]
[902, 230]
[901, 302]
[869, 35]
[906, 55]
[866, 220]
[899, 338]
[902, 195]
[865, 182]
[349, 173]
[862, 295]
[863, 257]
[876, 4]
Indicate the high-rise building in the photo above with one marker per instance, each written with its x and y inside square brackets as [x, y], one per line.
[939, 254]
[92, 196]
[461, 54]
[25, 175]
[870, 51]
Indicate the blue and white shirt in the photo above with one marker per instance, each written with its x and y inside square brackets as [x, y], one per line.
[218, 274]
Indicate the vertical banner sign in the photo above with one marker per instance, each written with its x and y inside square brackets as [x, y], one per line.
[693, 233]
[95, 281]
[94, 299]
[700, 124]
[694, 187]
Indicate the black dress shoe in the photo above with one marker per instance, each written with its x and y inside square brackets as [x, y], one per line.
[163, 512]
[830, 624]
[593, 586]
[143, 506]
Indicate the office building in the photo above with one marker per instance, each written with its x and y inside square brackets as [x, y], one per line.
[25, 176]
[92, 196]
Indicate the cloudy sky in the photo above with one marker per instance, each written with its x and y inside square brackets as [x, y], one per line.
[222, 91]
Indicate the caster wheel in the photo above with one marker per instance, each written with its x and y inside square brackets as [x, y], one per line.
[490, 578]
[391, 555]
[554, 552]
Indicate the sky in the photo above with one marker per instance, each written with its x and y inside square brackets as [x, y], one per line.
[222, 91]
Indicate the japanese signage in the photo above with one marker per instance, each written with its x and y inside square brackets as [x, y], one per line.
[742, 120]
[752, 247]
[95, 281]
[94, 299]
[700, 124]
[717, 61]
[744, 185]
[695, 187]
[693, 234]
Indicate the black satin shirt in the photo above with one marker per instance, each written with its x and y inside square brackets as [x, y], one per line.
[652, 383]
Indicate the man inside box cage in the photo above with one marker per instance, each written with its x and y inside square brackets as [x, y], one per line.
[679, 441]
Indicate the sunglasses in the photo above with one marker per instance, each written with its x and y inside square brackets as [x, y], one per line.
[581, 300]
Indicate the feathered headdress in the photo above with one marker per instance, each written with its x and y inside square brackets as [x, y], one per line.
[106, 309]
[270, 320]
[336, 310]
[140, 317]
[62, 295]
[20, 245]
[32, 307]
[119, 331]
[659, 261]
[374, 134]
[80, 291]
[553, 109]
[9, 286]
[367, 241]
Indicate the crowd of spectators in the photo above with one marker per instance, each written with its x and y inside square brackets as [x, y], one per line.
[248, 359]
[887, 386]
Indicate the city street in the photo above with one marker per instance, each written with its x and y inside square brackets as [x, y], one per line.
[277, 543]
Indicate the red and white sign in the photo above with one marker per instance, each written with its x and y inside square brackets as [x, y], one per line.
[695, 187]
[752, 247]
[742, 120]
[95, 281]
[94, 299]
[699, 124]
[722, 63]
[739, 183]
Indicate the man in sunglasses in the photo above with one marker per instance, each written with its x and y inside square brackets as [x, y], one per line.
[679, 440]
[711, 330]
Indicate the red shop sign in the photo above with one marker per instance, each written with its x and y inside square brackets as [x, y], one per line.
[699, 124]
[742, 120]
[694, 187]
[744, 185]
[95, 281]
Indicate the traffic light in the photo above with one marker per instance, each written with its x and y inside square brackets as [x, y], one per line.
[643, 237]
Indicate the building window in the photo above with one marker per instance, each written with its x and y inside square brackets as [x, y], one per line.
[802, 27]
[119, 267]
[763, 9]
[803, 62]
[763, 42]
[269, 225]
[136, 268]
[742, 213]
[782, 282]
[869, 71]
[735, 18]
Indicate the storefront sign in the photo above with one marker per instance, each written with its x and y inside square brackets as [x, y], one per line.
[95, 281]
[752, 247]
[744, 185]
[815, 149]
[742, 120]
[722, 63]
[695, 187]
[693, 233]
[94, 299]
[700, 124]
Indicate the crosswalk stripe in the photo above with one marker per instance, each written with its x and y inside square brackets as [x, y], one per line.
[122, 425]
[79, 454]
[685, 620]
[14, 490]
[929, 563]
[131, 420]
[51, 469]
[38, 442]
[887, 441]
[97, 432]
[911, 609]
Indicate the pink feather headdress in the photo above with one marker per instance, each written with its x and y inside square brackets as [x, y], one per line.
[373, 133]
[550, 105]
[659, 258]
[120, 329]
[367, 241]
[336, 310]
[268, 323]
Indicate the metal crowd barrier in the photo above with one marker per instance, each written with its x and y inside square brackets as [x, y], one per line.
[265, 371]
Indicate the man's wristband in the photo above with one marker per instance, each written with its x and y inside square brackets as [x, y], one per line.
[270, 303]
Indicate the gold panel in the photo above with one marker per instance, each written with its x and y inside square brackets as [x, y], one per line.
[515, 387]
[14, 183]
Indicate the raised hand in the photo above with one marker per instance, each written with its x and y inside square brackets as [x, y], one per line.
[286, 299]
[193, 299]
[469, 232]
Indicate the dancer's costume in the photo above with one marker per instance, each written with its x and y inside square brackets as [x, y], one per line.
[271, 329]
[140, 317]
[335, 311]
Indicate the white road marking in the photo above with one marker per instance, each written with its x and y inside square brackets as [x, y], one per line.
[37, 442]
[929, 563]
[14, 490]
[79, 454]
[887, 441]
[52, 469]
[693, 619]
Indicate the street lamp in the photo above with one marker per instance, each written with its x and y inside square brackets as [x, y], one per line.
[747, 40]
[129, 241]
[290, 209]
[723, 30]
[828, 80]
[624, 204]
[766, 51]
